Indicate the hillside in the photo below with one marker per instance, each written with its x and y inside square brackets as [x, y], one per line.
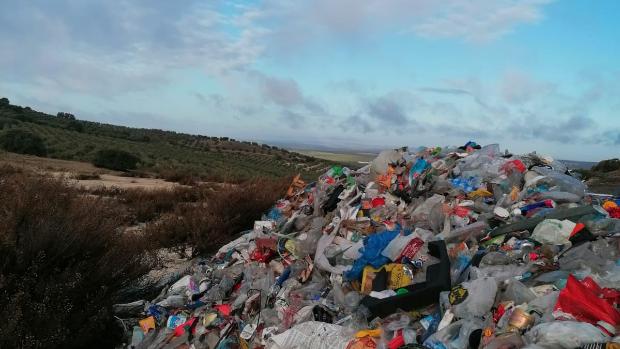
[164, 153]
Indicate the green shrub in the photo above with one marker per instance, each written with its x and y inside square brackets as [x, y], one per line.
[115, 160]
[75, 125]
[23, 142]
[607, 165]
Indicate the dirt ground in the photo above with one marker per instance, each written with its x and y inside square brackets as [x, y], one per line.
[107, 180]
[71, 170]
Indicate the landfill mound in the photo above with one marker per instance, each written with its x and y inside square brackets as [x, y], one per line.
[449, 248]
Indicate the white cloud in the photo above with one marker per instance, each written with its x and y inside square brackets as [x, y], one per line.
[107, 48]
[517, 87]
[478, 21]
[302, 22]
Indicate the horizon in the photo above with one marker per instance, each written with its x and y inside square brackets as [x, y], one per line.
[531, 75]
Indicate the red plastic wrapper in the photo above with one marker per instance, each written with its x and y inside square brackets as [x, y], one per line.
[378, 201]
[513, 165]
[412, 248]
[461, 211]
[260, 256]
[224, 309]
[614, 212]
[186, 326]
[585, 301]
[609, 294]
[397, 342]
[266, 243]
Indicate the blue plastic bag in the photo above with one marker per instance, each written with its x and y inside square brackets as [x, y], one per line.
[371, 253]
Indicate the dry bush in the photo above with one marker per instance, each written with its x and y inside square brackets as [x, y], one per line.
[225, 212]
[62, 260]
[146, 205]
[87, 176]
[181, 176]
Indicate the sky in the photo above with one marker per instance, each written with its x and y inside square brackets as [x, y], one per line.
[344, 74]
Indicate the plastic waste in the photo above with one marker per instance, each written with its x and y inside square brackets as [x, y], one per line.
[553, 231]
[586, 301]
[473, 298]
[455, 336]
[560, 182]
[442, 247]
[517, 292]
[565, 334]
[310, 335]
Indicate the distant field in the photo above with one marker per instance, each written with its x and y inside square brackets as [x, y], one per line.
[166, 153]
[338, 157]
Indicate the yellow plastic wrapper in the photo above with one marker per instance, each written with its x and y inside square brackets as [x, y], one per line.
[362, 343]
[397, 277]
[479, 193]
[147, 324]
[368, 333]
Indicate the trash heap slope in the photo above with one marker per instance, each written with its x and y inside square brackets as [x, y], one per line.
[465, 247]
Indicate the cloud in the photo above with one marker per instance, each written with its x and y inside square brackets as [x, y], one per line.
[104, 48]
[286, 93]
[455, 92]
[107, 49]
[351, 86]
[610, 137]
[356, 123]
[517, 88]
[283, 92]
[387, 110]
[303, 22]
[293, 119]
[214, 99]
[570, 129]
[478, 21]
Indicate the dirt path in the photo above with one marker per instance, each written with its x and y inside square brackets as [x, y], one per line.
[125, 183]
[75, 169]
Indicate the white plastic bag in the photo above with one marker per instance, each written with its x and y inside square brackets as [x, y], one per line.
[476, 300]
[553, 231]
[310, 335]
[565, 334]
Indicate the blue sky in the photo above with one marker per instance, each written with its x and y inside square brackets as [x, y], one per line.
[531, 75]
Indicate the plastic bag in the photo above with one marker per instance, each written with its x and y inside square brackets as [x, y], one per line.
[553, 231]
[565, 334]
[466, 232]
[310, 335]
[473, 298]
[320, 260]
[455, 335]
[396, 246]
[517, 292]
[558, 181]
[558, 196]
[499, 272]
[584, 301]
[421, 214]
[371, 253]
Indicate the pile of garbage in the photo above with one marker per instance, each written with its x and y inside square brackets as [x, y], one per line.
[439, 248]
